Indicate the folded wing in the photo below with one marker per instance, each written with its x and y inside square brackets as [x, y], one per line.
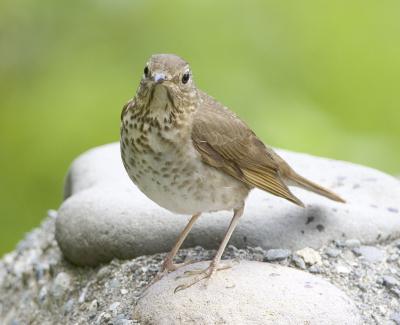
[227, 143]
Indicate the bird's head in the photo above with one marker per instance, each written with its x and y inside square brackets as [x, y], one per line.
[167, 83]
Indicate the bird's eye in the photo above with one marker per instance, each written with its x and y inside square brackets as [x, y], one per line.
[185, 77]
[146, 71]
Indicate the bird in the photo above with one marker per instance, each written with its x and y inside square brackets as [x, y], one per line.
[190, 154]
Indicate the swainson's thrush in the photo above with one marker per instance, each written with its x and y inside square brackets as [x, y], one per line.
[190, 154]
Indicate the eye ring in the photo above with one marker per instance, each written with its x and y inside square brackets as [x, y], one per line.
[146, 71]
[185, 77]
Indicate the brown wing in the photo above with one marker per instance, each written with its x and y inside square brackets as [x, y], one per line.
[227, 143]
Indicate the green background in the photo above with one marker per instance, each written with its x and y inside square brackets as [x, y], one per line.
[314, 76]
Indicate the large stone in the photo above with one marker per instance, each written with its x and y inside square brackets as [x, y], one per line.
[106, 216]
[248, 293]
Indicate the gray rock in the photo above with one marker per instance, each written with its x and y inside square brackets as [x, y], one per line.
[396, 318]
[342, 269]
[114, 307]
[393, 258]
[43, 294]
[61, 285]
[371, 254]
[68, 306]
[299, 262]
[123, 322]
[103, 272]
[20, 290]
[332, 252]
[105, 216]
[352, 243]
[92, 308]
[315, 269]
[114, 284]
[389, 281]
[277, 254]
[309, 255]
[278, 295]
[396, 243]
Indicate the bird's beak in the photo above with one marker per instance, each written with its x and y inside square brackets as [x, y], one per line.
[159, 77]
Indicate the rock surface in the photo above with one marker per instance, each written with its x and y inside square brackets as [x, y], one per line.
[105, 216]
[248, 293]
[33, 281]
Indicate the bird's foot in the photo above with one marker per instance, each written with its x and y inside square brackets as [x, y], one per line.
[168, 266]
[201, 275]
[227, 265]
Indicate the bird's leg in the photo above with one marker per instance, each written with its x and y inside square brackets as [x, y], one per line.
[213, 267]
[168, 264]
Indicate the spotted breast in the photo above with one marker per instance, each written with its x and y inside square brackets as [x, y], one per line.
[164, 164]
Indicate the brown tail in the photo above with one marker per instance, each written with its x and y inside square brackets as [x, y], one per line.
[300, 181]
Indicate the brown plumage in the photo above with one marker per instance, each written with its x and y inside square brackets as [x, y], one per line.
[226, 142]
[190, 154]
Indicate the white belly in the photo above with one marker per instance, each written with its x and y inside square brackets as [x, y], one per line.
[176, 178]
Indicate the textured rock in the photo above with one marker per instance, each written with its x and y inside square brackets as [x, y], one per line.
[390, 281]
[107, 294]
[370, 253]
[352, 243]
[248, 293]
[310, 256]
[332, 252]
[106, 216]
[277, 254]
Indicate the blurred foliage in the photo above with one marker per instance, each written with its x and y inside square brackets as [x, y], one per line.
[314, 76]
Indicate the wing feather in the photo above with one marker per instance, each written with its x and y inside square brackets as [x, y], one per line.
[226, 142]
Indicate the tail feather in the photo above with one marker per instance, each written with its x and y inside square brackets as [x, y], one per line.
[302, 182]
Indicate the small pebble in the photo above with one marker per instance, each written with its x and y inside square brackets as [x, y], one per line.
[371, 254]
[339, 243]
[382, 310]
[103, 272]
[396, 243]
[61, 285]
[342, 269]
[258, 250]
[362, 286]
[93, 306]
[114, 284]
[392, 258]
[396, 291]
[103, 318]
[42, 294]
[68, 306]
[277, 254]
[314, 269]
[332, 252]
[123, 322]
[396, 318]
[299, 262]
[352, 243]
[114, 306]
[310, 256]
[389, 281]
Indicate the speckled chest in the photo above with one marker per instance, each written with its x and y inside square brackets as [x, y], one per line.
[153, 151]
[162, 161]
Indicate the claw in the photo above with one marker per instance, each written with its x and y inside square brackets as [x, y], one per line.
[193, 282]
[190, 273]
[204, 274]
[168, 267]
